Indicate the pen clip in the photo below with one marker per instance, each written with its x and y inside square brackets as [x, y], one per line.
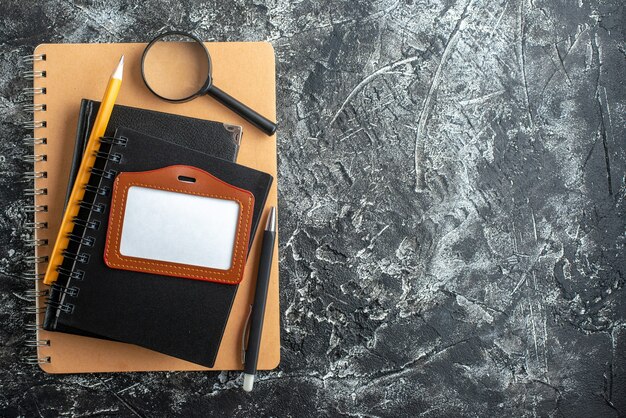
[244, 334]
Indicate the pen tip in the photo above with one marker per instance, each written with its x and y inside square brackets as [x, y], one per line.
[271, 220]
[248, 382]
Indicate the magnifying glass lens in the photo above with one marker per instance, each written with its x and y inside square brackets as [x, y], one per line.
[176, 67]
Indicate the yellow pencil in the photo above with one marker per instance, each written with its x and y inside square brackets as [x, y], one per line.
[89, 158]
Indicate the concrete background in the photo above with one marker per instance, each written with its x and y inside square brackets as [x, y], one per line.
[452, 205]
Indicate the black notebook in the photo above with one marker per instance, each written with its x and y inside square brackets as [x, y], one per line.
[179, 317]
[219, 139]
[215, 138]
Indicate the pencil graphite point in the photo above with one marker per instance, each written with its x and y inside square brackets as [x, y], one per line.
[119, 70]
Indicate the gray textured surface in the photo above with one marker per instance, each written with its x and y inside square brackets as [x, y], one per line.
[452, 209]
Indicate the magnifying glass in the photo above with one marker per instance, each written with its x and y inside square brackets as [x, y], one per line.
[183, 73]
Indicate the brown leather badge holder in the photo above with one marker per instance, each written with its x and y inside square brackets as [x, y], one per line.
[136, 242]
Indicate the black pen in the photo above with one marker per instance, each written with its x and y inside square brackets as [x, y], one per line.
[260, 297]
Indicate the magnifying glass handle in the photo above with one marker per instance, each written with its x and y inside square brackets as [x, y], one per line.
[242, 110]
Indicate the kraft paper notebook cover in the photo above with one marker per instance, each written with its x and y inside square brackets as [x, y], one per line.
[246, 71]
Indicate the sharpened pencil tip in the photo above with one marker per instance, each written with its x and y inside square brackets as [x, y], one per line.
[119, 70]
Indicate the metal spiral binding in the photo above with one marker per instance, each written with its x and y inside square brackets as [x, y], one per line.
[92, 207]
[80, 257]
[28, 59]
[116, 158]
[72, 274]
[37, 343]
[32, 175]
[102, 190]
[86, 224]
[35, 208]
[35, 242]
[34, 259]
[68, 290]
[33, 327]
[112, 140]
[35, 107]
[34, 310]
[36, 277]
[29, 140]
[31, 75]
[105, 174]
[33, 226]
[33, 294]
[33, 91]
[35, 192]
[34, 360]
[35, 124]
[36, 225]
[86, 241]
[35, 158]
[63, 307]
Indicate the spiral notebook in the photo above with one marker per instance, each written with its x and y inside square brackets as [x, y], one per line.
[106, 296]
[64, 74]
[214, 138]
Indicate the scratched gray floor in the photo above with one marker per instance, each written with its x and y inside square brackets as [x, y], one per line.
[452, 204]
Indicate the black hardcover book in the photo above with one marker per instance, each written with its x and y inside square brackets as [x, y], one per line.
[219, 139]
[179, 317]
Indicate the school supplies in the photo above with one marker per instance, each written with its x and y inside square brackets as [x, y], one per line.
[76, 196]
[135, 295]
[63, 75]
[216, 138]
[219, 139]
[251, 354]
